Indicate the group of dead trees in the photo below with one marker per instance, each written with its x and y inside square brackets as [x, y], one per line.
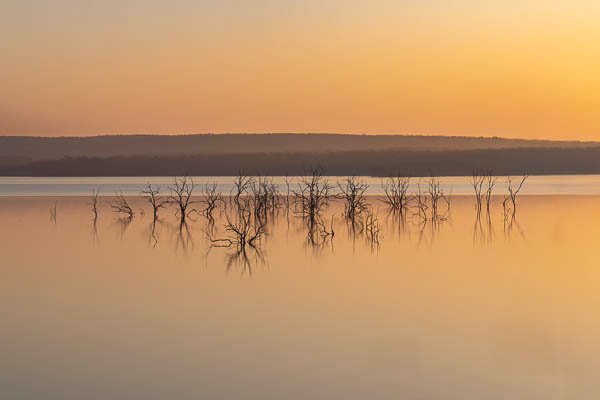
[430, 202]
[255, 200]
[483, 184]
[180, 195]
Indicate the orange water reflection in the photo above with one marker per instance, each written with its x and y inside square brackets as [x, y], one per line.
[128, 309]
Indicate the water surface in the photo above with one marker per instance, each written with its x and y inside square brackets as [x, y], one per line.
[464, 309]
[460, 185]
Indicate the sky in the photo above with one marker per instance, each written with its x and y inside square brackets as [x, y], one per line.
[527, 68]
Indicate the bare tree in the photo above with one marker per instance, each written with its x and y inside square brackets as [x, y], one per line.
[181, 196]
[436, 194]
[353, 193]
[265, 197]
[491, 183]
[121, 206]
[312, 195]
[152, 195]
[372, 229]
[421, 204]
[212, 197]
[94, 202]
[513, 191]
[396, 193]
[287, 193]
[477, 181]
[243, 229]
[241, 184]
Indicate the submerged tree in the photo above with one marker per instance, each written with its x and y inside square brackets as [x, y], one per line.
[121, 206]
[152, 195]
[396, 194]
[353, 193]
[491, 183]
[241, 185]
[212, 198]
[94, 202]
[181, 196]
[243, 228]
[513, 192]
[312, 195]
[437, 195]
[477, 181]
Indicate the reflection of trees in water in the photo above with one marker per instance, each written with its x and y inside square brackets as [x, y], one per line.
[122, 224]
[95, 236]
[245, 259]
[511, 224]
[483, 231]
[241, 226]
[183, 237]
[318, 235]
[429, 230]
[53, 214]
[244, 233]
[154, 230]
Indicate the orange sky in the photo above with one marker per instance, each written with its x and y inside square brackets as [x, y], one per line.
[512, 68]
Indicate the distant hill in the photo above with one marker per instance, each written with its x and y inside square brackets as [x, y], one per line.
[510, 161]
[22, 149]
[291, 154]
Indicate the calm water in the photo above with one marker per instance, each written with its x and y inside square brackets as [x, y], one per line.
[538, 185]
[461, 310]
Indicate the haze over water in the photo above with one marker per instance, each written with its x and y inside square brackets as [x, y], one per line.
[461, 309]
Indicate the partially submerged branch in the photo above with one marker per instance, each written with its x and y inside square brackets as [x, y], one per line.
[121, 206]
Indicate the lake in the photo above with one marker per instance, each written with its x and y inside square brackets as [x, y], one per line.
[460, 308]
[131, 186]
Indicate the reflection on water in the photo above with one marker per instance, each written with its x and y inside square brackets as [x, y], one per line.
[393, 306]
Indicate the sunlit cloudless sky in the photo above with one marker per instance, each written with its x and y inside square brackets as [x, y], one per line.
[510, 68]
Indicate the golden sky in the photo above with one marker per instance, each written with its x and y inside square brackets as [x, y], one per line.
[527, 68]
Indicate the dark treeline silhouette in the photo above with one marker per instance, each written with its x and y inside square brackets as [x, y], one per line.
[14, 149]
[536, 161]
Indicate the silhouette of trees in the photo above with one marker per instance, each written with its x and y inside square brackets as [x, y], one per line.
[152, 195]
[181, 196]
[121, 206]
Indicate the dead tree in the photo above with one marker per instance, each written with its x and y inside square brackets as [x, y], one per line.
[265, 196]
[372, 229]
[312, 195]
[477, 181]
[243, 229]
[121, 206]
[153, 197]
[421, 204]
[513, 192]
[212, 198]
[181, 196]
[396, 194]
[353, 193]
[241, 184]
[436, 194]
[490, 184]
[287, 193]
[94, 202]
